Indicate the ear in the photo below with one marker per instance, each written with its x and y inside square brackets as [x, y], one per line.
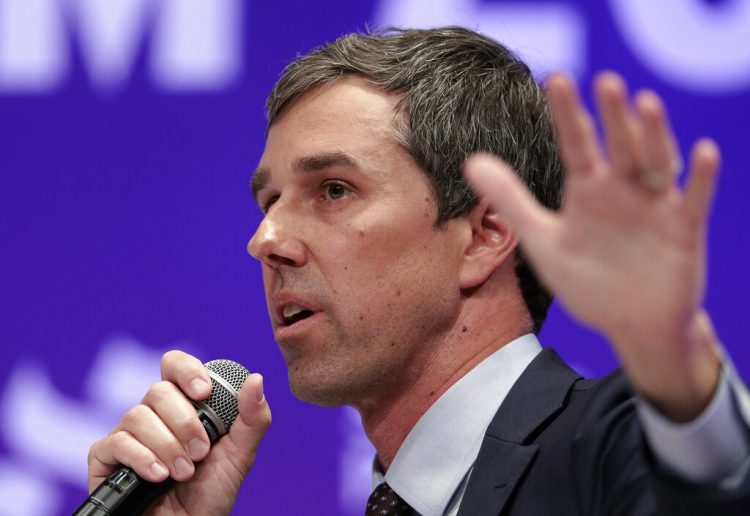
[493, 242]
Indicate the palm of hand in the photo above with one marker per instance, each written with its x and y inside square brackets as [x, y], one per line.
[626, 252]
[614, 244]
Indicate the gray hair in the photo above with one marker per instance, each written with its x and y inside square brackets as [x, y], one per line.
[462, 93]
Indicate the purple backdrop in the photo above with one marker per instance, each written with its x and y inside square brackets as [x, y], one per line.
[129, 131]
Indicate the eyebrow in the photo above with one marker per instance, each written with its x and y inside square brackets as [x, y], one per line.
[305, 164]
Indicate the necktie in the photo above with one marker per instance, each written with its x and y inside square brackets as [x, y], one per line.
[385, 502]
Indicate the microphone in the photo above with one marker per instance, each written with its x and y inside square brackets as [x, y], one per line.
[124, 492]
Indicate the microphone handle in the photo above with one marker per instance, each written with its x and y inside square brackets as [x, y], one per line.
[125, 493]
[122, 493]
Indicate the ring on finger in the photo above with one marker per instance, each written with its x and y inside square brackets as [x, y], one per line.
[658, 180]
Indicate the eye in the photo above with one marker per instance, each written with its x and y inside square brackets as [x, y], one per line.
[335, 190]
[266, 205]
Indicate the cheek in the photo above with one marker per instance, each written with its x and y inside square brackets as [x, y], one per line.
[376, 258]
[395, 271]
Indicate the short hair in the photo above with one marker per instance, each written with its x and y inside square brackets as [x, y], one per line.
[462, 93]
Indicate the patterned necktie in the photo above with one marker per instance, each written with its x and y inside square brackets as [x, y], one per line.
[385, 502]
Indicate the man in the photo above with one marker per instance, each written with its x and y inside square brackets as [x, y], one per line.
[394, 289]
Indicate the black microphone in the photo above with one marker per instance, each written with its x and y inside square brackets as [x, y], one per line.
[124, 492]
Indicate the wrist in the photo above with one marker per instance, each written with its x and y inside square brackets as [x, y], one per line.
[676, 371]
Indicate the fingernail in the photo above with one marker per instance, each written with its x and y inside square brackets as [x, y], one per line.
[182, 467]
[158, 471]
[199, 386]
[197, 448]
[260, 389]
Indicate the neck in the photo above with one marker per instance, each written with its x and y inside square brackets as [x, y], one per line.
[389, 419]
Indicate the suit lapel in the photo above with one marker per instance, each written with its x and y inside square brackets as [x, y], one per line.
[505, 454]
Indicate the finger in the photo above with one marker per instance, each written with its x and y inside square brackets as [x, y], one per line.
[179, 415]
[622, 130]
[494, 180]
[122, 449]
[148, 429]
[701, 186]
[661, 156]
[187, 372]
[241, 444]
[575, 127]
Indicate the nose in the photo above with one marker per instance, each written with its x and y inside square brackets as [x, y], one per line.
[274, 243]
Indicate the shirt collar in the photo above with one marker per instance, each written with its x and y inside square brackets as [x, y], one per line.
[442, 447]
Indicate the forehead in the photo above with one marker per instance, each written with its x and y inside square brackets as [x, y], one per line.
[349, 115]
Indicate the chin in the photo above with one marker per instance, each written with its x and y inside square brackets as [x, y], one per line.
[325, 388]
[317, 393]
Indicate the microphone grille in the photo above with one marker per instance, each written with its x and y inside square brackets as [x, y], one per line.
[227, 378]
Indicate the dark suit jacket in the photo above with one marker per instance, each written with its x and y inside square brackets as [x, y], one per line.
[560, 445]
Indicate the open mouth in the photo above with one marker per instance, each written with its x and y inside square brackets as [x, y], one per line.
[293, 313]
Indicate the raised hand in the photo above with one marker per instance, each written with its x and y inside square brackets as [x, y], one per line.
[626, 253]
[162, 436]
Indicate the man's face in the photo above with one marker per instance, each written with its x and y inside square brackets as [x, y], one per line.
[361, 287]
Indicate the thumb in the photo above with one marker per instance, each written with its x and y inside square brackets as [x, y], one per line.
[241, 444]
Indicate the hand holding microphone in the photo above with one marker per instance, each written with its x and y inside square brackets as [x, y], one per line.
[164, 437]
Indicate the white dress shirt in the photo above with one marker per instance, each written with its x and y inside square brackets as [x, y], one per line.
[431, 468]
